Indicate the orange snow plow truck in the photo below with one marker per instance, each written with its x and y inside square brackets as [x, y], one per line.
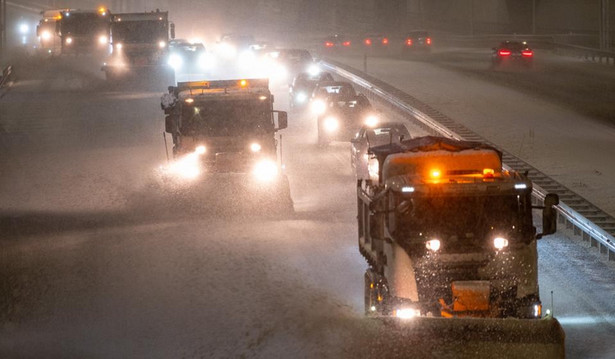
[449, 238]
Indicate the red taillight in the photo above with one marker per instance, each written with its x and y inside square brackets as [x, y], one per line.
[368, 41]
[527, 53]
[409, 42]
[385, 41]
[504, 52]
[428, 41]
[346, 43]
[328, 44]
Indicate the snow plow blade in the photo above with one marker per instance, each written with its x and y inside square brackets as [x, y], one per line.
[426, 337]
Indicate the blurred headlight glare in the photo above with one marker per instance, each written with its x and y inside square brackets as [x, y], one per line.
[500, 243]
[331, 124]
[319, 107]
[265, 170]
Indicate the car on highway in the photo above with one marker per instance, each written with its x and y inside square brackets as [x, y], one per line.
[336, 43]
[302, 86]
[287, 63]
[189, 60]
[374, 134]
[416, 41]
[230, 46]
[340, 111]
[375, 44]
[512, 53]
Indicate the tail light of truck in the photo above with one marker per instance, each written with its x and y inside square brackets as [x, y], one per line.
[527, 53]
[428, 41]
[408, 42]
[504, 52]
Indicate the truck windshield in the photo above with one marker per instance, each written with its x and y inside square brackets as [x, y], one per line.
[227, 118]
[139, 31]
[83, 24]
[460, 215]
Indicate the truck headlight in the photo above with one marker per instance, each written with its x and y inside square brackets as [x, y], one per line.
[371, 121]
[406, 313]
[319, 107]
[301, 97]
[162, 44]
[45, 35]
[255, 147]
[433, 245]
[265, 170]
[200, 150]
[69, 40]
[187, 167]
[176, 61]
[119, 46]
[103, 40]
[500, 243]
[313, 70]
[331, 124]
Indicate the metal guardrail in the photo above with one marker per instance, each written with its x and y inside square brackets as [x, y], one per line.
[576, 213]
[587, 53]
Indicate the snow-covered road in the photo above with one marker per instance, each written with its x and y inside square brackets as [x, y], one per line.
[90, 271]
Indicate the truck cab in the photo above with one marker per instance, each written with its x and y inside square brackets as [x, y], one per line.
[230, 124]
[448, 232]
[140, 44]
[84, 32]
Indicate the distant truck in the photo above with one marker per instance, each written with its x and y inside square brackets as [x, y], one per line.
[48, 38]
[84, 32]
[140, 45]
[228, 127]
[448, 233]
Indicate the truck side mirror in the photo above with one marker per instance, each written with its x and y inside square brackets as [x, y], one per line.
[549, 216]
[282, 120]
[172, 27]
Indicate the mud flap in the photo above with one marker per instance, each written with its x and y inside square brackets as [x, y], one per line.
[431, 337]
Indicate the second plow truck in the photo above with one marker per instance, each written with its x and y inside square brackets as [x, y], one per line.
[224, 132]
[449, 238]
[140, 46]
